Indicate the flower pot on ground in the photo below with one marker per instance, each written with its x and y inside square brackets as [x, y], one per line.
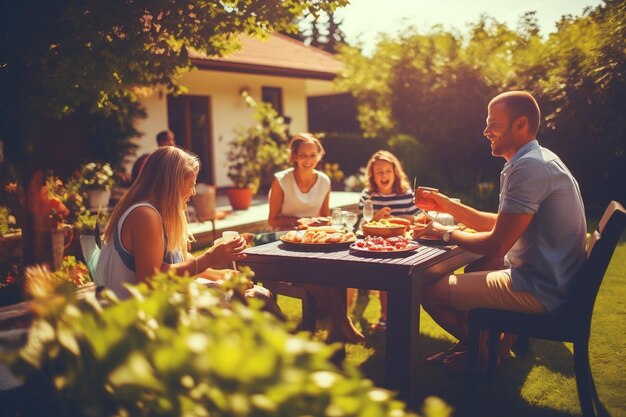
[240, 198]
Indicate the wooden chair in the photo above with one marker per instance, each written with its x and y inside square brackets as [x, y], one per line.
[571, 324]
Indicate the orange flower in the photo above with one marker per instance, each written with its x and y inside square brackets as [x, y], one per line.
[10, 187]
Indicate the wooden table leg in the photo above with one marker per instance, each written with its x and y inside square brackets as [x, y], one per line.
[403, 327]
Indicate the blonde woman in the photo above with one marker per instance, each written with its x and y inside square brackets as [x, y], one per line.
[147, 231]
[303, 191]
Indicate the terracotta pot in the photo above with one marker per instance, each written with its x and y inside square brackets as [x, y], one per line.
[240, 198]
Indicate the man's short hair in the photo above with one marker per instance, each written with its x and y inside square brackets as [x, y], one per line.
[163, 136]
[518, 104]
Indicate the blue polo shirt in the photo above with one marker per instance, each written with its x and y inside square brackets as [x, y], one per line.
[545, 258]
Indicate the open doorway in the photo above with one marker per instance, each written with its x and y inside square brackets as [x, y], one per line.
[189, 117]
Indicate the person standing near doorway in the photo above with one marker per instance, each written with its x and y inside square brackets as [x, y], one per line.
[164, 138]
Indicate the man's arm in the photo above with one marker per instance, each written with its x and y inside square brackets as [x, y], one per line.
[496, 243]
[481, 221]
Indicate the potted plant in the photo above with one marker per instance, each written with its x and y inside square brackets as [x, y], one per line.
[245, 178]
[256, 153]
[97, 179]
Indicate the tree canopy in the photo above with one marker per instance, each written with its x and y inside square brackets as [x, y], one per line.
[56, 56]
[435, 87]
[62, 57]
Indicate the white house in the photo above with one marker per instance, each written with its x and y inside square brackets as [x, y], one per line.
[279, 70]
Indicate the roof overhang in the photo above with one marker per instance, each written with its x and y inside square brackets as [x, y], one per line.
[215, 65]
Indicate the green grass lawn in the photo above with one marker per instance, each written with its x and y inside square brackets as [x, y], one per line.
[538, 383]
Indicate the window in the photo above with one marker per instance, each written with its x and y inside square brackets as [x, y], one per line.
[274, 96]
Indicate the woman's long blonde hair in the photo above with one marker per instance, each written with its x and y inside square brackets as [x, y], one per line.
[160, 182]
[400, 182]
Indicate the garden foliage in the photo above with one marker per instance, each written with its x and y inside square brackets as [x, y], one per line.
[259, 151]
[179, 349]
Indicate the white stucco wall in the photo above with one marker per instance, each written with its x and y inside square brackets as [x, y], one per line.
[228, 110]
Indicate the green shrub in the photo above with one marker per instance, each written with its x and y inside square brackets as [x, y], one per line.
[260, 150]
[178, 349]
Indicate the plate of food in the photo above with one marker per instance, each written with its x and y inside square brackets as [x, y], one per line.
[317, 237]
[379, 244]
[306, 222]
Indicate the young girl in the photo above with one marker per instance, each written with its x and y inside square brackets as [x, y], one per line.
[303, 191]
[390, 192]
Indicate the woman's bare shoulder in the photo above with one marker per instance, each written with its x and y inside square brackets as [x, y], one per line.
[144, 216]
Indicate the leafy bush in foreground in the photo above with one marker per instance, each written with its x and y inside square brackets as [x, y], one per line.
[179, 348]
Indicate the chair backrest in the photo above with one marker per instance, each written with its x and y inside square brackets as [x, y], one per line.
[97, 235]
[599, 253]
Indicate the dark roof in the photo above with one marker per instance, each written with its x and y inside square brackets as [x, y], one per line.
[277, 55]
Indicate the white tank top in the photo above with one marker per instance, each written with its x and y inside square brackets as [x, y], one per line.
[299, 204]
[116, 266]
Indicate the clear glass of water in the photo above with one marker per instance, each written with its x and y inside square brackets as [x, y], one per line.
[349, 219]
[368, 211]
[336, 219]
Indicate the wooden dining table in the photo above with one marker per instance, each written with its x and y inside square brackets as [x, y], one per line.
[400, 274]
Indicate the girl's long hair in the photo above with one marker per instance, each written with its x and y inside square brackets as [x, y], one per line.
[160, 182]
[400, 182]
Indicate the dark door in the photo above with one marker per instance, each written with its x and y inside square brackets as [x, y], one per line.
[189, 117]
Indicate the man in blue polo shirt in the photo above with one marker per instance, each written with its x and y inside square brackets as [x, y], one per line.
[533, 245]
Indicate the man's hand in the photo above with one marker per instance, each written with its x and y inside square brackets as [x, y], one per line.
[432, 200]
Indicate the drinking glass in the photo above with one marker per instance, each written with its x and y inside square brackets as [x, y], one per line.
[349, 218]
[336, 219]
[456, 200]
[368, 211]
[425, 203]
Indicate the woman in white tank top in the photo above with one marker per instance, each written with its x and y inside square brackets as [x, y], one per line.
[147, 231]
[303, 191]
